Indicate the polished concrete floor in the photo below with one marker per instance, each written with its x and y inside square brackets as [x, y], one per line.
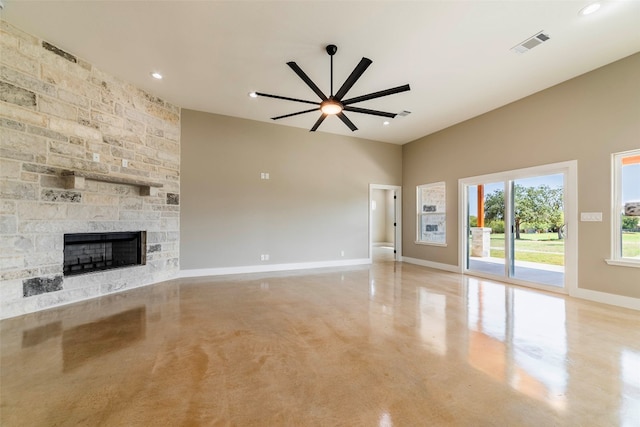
[388, 345]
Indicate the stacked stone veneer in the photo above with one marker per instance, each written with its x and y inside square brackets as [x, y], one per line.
[56, 111]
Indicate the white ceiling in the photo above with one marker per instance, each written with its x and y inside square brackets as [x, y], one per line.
[455, 54]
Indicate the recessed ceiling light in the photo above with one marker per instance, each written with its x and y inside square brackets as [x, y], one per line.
[156, 75]
[589, 9]
[253, 94]
[386, 123]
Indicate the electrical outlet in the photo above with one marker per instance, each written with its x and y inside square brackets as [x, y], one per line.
[341, 253]
[96, 157]
[125, 163]
[264, 257]
[264, 175]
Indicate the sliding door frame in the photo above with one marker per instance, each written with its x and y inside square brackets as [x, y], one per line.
[570, 171]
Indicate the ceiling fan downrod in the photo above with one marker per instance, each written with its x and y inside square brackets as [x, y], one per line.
[331, 50]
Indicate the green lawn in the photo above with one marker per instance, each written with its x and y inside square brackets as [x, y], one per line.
[631, 245]
[546, 248]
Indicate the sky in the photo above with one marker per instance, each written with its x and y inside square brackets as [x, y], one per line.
[631, 183]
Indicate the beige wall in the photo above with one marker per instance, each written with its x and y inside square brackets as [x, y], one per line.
[314, 206]
[584, 119]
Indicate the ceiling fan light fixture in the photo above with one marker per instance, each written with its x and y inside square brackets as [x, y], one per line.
[331, 107]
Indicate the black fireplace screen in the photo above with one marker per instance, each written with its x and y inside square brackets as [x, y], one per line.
[87, 252]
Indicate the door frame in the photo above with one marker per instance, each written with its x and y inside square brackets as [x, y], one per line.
[570, 171]
[397, 243]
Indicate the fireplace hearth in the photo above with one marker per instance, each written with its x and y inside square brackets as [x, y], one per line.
[89, 252]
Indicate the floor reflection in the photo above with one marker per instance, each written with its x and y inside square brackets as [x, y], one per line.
[630, 408]
[432, 313]
[91, 340]
[34, 336]
[519, 337]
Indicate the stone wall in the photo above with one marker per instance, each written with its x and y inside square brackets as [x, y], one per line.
[56, 112]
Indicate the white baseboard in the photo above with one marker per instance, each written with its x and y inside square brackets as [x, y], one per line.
[384, 244]
[431, 264]
[223, 271]
[605, 298]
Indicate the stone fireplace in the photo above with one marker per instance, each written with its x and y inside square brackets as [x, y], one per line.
[81, 152]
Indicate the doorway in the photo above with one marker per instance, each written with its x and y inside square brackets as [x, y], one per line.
[520, 226]
[384, 223]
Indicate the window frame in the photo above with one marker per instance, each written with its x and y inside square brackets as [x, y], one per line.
[616, 218]
[441, 210]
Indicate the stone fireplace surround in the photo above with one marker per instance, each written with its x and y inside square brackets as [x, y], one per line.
[56, 112]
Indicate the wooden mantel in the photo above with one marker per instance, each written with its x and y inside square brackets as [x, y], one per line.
[76, 180]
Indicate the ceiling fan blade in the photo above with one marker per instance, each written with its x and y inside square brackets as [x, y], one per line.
[286, 98]
[347, 122]
[307, 80]
[353, 77]
[367, 111]
[294, 114]
[379, 94]
[320, 120]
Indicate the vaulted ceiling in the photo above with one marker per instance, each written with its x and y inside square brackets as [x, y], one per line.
[456, 55]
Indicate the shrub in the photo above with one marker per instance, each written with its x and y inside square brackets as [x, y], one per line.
[496, 225]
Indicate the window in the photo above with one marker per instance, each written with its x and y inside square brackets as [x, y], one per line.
[431, 215]
[625, 214]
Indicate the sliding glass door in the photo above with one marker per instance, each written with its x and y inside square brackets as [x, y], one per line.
[515, 225]
[486, 228]
[538, 231]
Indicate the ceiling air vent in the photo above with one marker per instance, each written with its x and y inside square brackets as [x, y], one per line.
[531, 42]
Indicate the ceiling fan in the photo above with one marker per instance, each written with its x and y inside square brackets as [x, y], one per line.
[335, 104]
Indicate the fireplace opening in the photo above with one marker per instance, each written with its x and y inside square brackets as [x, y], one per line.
[88, 252]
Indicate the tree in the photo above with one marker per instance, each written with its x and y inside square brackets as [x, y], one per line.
[494, 205]
[555, 201]
[630, 223]
[540, 206]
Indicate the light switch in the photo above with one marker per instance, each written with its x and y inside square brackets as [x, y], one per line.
[591, 216]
